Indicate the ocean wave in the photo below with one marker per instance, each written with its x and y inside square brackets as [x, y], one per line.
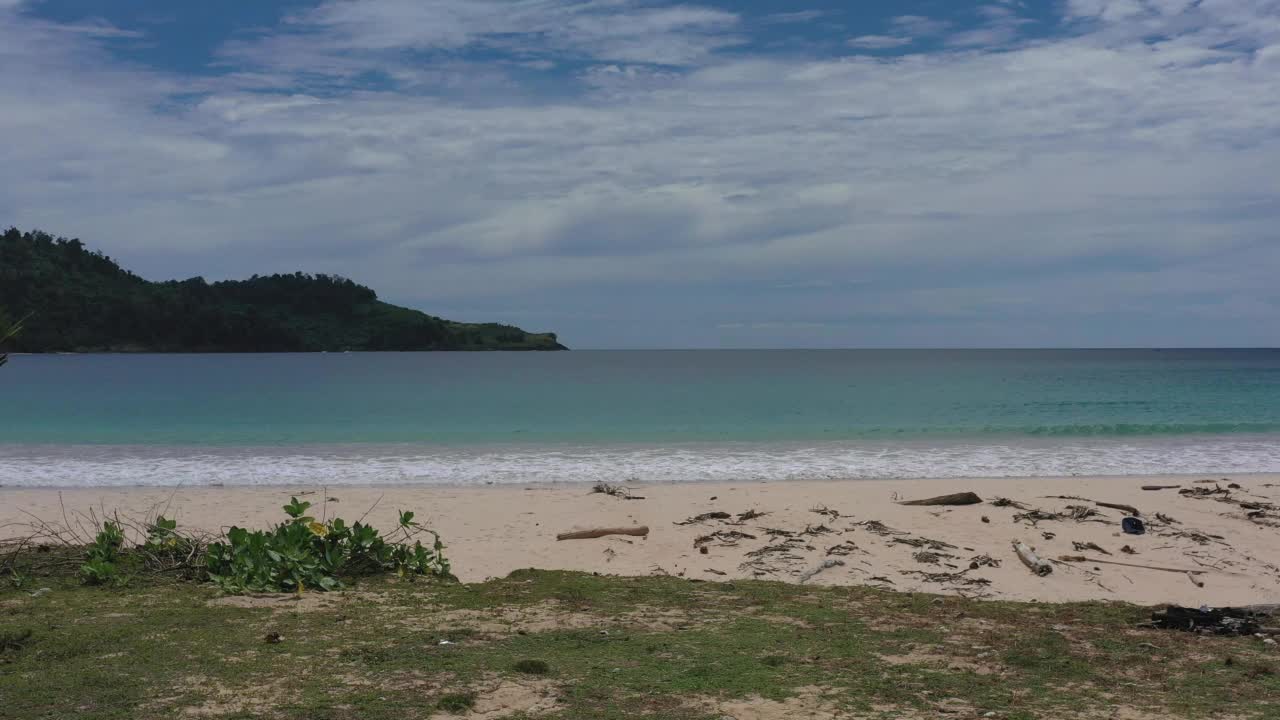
[103, 466]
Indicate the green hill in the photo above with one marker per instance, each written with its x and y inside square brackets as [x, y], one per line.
[82, 301]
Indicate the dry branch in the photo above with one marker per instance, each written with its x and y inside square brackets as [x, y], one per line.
[1117, 506]
[1081, 558]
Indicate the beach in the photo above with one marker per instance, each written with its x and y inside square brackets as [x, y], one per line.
[858, 529]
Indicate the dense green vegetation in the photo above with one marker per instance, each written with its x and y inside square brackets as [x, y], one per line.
[571, 646]
[82, 301]
[300, 554]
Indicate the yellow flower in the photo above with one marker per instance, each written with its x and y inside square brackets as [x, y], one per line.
[318, 529]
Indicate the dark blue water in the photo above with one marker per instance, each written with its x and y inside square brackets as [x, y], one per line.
[436, 417]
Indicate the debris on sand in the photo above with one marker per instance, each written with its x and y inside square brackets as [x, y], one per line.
[824, 510]
[1127, 509]
[963, 498]
[845, 548]
[726, 538]
[1006, 502]
[1035, 516]
[924, 542]
[617, 491]
[978, 561]
[1082, 546]
[825, 565]
[929, 557]
[783, 547]
[713, 515]
[1080, 513]
[877, 527]
[959, 578]
[1203, 492]
[1027, 555]
[641, 531]
[1202, 538]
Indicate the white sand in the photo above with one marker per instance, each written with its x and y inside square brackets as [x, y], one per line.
[494, 530]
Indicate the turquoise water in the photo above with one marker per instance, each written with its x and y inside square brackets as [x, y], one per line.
[446, 417]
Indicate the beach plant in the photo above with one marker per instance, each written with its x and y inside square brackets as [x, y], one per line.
[103, 556]
[305, 554]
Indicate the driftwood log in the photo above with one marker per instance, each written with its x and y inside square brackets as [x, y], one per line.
[1117, 506]
[642, 531]
[964, 498]
[1160, 487]
[1029, 558]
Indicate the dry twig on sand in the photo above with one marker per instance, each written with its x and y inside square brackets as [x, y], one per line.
[726, 538]
[1128, 509]
[1035, 516]
[877, 527]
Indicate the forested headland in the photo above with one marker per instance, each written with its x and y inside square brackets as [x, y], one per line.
[74, 299]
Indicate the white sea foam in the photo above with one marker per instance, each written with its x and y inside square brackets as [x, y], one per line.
[101, 466]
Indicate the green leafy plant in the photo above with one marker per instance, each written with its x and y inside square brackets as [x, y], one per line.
[102, 559]
[302, 554]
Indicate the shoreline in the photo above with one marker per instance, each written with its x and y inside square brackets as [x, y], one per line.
[1266, 476]
[492, 530]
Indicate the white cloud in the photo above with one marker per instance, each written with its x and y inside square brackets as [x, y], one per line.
[344, 37]
[1057, 178]
[800, 16]
[919, 25]
[878, 42]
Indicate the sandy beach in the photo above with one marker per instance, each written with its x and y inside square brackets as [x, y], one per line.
[857, 528]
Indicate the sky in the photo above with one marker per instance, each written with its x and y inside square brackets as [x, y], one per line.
[642, 173]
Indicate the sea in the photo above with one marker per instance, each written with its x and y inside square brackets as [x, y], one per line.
[633, 416]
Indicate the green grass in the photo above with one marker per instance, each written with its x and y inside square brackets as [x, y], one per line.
[571, 645]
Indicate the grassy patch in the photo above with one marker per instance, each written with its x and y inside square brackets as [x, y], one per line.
[532, 667]
[571, 645]
[457, 703]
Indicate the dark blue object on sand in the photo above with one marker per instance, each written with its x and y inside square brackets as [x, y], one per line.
[1133, 526]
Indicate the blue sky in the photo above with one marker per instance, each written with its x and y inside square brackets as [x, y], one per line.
[636, 173]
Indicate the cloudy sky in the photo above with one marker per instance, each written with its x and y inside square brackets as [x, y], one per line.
[638, 173]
